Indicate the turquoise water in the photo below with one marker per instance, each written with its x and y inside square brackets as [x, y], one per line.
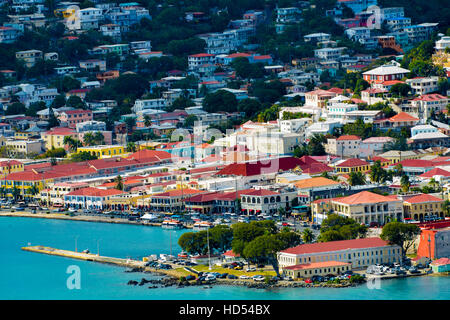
[27, 275]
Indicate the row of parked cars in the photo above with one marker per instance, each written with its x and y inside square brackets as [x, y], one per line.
[395, 268]
[158, 265]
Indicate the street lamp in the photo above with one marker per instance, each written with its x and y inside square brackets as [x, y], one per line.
[76, 246]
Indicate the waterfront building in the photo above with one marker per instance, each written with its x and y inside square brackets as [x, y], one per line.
[262, 201]
[441, 265]
[308, 270]
[89, 198]
[359, 253]
[424, 205]
[9, 166]
[365, 207]
[434, 243]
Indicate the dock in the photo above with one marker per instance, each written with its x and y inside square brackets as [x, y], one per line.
[86, 256]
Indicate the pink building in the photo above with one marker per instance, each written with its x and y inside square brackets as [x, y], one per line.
[72, 117]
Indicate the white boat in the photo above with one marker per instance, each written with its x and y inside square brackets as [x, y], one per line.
[172, 224]
[202, 225]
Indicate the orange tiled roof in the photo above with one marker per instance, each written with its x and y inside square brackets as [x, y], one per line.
[364, 197]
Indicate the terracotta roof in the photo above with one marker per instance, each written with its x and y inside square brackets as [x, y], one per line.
[177, 192]
[435, 172]
[420, 163]
[423, 198]
[441, 262]
[201, 55]
[403, 117]
[315, 182]
[95, 192]
[348, 137]
[364, 197]
[270, 166]
[315, 265]
[336, 246]
[230, 253]
[353, 162]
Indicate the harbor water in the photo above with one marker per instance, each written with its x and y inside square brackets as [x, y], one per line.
[27, 275]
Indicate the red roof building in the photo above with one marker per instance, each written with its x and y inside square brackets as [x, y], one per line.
[359, 252]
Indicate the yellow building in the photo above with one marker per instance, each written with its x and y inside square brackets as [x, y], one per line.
[309, 270]
[352, 165]
[420, 206]
[54, 138]
[364, 207]
[22, 135]
[10, 166]
[27, 183]
[104, 151]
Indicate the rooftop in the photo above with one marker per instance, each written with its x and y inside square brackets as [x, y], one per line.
[336, 246]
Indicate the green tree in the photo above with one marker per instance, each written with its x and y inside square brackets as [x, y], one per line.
[131, 147]
[357, 178]
[119, 183]
[377, 173]
[400, 89]
[308, 236]
[82, 156]
[190, 121]
[220, 100]
[16, 108]
[404, 182]
[75, 102]
[401, 234]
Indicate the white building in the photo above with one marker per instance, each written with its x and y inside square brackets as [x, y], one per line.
[429, 103]
[422, 85]
[329, 53]
[156, 104]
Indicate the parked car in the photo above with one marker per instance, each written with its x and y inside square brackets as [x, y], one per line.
[223, 276]
[238, 268]
[276, 278]
[258, 278]
[317, 278]
[413, 270]
[244, 277]
[190, 277]
[287, 278]
[232, 276]
[308, 281]
[250, 269]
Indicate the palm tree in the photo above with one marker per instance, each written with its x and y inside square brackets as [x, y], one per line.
[89, 139]
[434, 184]
[131, 147]
[308, 236]
[3, 192]
[34, 190]
[119, 183]
[72, 143]
[405, 184]
[15, 193]
[99, 139]
[357, 178]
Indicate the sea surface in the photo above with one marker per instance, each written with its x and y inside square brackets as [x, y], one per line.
[28, 275]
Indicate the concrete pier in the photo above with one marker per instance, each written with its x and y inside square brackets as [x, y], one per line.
[85, 256]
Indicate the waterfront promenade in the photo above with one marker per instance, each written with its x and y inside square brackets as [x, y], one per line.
[62, 216]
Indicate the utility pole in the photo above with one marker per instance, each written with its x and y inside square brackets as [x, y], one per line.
[209, 252]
